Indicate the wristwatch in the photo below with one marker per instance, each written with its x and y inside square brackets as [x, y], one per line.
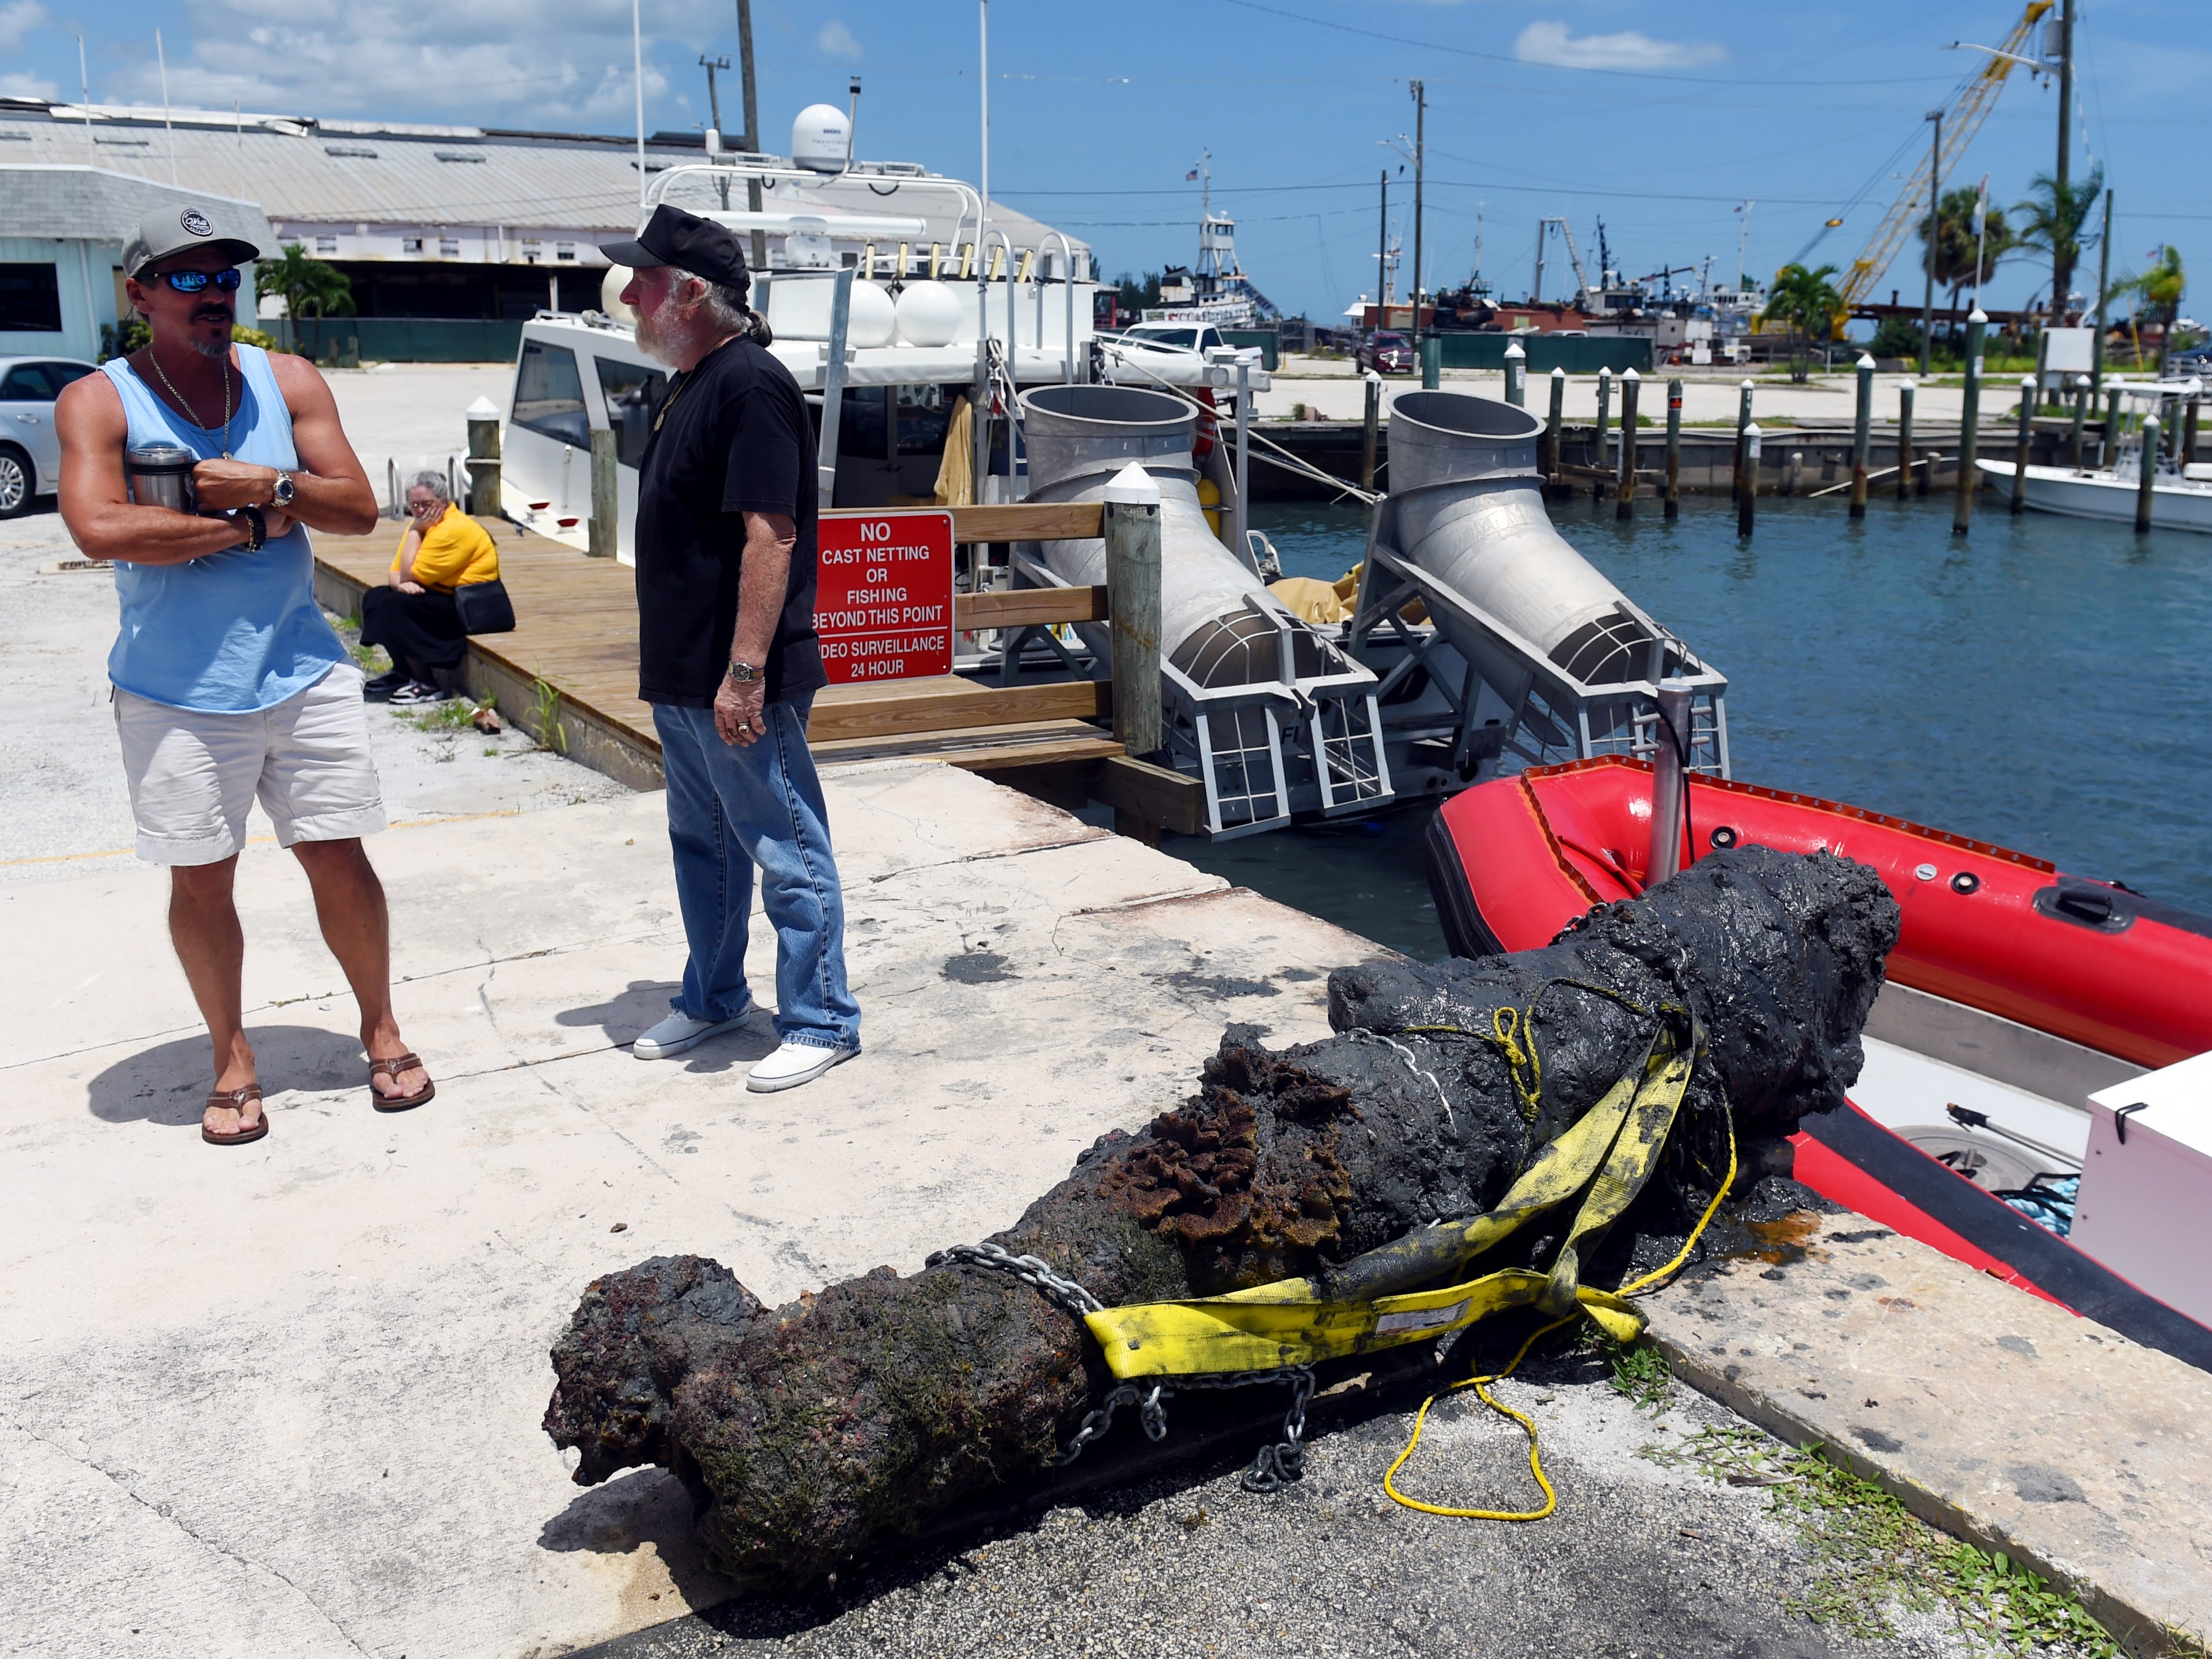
[743, 673]
[282, 495]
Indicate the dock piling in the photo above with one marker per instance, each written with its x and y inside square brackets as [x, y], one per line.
[1603, 431]
[1554, 426]
[1905, 483]
[1516, 375]
[606, 497]
[1743, 425]
[483, 462]
[1432, 361]
[1747, 501]
[1970, 416]
[2187, 452]
[1132, 524]
[2081, 419]
[1624, 491]
[2026, 436]
[1374, 419]
[2108, 447]
[1861, 434]
[1674, 448]
[2146, 474]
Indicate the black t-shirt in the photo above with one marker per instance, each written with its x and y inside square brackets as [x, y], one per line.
[731, 437]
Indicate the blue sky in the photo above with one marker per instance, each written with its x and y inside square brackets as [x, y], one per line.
[1658, 120]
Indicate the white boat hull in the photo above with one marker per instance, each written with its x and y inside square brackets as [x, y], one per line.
[2174, 505]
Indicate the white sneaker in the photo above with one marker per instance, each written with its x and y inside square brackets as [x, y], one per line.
[793, 1064]
[680, 1032]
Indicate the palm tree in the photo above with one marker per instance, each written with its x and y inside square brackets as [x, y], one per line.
[1959, 257]
[309, 287]
[1808, 302]
[2053, 221]
[2160, 288]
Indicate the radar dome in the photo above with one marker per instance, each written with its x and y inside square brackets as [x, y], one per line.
[611, 287]
[820, 138]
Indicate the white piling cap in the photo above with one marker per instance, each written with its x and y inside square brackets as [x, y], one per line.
[1866, 361]
[2150, 422]
[1134, 487]
[1559, 374]
[483, 410]
[1632, 375]
[1751, 429]
[1747, 383]
[2028, 383]
[1513, 348]
[1977, 315]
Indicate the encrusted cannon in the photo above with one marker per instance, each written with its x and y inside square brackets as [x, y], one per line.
[844, 1420]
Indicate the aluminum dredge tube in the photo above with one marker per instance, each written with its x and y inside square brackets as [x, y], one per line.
[1078, 437]
[1467, 497]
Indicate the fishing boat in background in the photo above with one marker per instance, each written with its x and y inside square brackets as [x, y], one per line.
[2036, 1095]
[2181, 495]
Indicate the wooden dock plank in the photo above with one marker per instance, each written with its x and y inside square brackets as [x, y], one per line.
[576, 633]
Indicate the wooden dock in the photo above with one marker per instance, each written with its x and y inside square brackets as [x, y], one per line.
[567, 674]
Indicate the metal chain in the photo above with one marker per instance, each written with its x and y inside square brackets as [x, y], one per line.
[1032, 1270]
[1278, 1464]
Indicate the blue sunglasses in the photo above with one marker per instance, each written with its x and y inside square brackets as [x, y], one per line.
[194, 282]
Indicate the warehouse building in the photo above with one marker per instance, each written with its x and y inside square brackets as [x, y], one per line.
[450, 236]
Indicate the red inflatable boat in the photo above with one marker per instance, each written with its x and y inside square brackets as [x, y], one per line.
[2015, 992]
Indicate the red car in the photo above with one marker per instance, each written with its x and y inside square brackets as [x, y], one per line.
[1386, 353]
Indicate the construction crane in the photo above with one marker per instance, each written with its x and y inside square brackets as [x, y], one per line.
[1582, 281]
[1962, 119]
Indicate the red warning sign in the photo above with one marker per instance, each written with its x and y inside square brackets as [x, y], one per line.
[883, 599]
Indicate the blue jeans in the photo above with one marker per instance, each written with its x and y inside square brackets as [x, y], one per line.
[732, 809]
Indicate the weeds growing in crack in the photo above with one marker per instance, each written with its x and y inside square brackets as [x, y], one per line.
[1871, 1555]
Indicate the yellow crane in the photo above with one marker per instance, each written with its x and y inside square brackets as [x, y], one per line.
[1961, 119]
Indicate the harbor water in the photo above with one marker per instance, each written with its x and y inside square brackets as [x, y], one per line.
[2043, 683]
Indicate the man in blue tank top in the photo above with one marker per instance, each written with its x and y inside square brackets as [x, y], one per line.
[229, 685]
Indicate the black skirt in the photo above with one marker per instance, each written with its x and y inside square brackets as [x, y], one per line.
[423, 627]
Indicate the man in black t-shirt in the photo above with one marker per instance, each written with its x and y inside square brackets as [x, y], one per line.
[728, 656]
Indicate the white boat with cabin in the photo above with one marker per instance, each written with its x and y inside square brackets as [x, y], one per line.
[2181, 495]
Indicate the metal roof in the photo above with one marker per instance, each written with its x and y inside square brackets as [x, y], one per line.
[304, 170]
[66, 199]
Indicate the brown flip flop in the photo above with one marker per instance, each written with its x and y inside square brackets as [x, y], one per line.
[391, 1068]
[238, 1099]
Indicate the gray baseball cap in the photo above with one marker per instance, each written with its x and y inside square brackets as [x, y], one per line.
[173, 229]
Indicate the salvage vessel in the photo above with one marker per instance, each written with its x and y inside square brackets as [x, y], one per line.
[2025, 1104]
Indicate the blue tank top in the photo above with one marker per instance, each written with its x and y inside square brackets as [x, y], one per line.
[234, 632]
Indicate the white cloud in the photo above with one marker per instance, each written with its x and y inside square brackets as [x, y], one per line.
[23, 84]
[836, 40]
[17, 19]
[1556, 45]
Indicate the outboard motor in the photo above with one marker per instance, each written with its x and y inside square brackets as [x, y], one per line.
[1272, 717]
[1568, 661]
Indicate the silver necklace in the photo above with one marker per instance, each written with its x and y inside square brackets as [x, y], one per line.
[192, 414]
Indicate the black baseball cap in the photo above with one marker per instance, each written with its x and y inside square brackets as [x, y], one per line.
[673, 237]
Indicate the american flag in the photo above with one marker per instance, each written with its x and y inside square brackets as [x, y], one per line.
[1191, 177]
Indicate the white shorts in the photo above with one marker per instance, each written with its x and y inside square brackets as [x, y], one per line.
[193, 775]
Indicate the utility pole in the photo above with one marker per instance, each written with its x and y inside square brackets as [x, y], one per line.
[1420, 151]
[714, 110]
[752, 126]
[1382, 255]
[2104, 282]
[2062, 270]
[1934, 197]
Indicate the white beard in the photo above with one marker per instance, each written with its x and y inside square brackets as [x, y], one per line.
[668, 334]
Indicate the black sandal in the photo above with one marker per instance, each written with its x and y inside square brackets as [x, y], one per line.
[237, 1100]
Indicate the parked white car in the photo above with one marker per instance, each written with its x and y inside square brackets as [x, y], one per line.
[30, 453]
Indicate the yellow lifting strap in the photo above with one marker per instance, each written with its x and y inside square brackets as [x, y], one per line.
[1607, 1155]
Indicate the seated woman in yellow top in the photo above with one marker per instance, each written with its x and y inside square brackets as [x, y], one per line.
[413, 616]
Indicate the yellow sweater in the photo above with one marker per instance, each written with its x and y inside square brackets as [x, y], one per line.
[456, 551]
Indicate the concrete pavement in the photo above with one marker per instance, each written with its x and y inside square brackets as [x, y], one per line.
[284, 1398]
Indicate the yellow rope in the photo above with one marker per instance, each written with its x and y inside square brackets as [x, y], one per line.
[1528, 1423]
